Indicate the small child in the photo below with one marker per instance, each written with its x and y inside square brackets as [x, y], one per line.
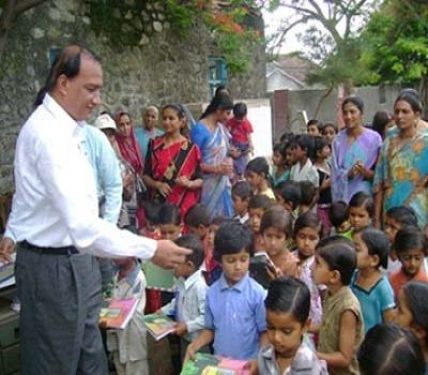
[369, 284]
[314, 127]
[304, 170]
[338, 214]
[287, 312]
[188, 306]
[256, 208]
[213, 272]
[410, 247]
[307, 229]
[322, 154]
[257, 174]
[329, 132]
[395, 219]
[276, 232]
[308, 197]
[390, 350]
[361, 210]
[169, 219]
[413, 313]
[288, 195]
[148, 224]
[240, 129]
[129, 346]
[341, 330]
[281, 169]
[241, 194]
[235, 316]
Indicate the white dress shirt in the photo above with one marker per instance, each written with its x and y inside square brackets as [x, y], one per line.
[56, 203]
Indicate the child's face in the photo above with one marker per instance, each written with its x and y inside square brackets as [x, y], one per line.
[391, 228]
[170, 231]
[184, 269]
[411, 261]
[290, 159]
[299, 153]
[364, 259]
[307, 240]
[359, 217]
[324, 153]
[211, 234]
[240, 205]
[201, 231]
[274, 241]
[254, 179]
[277, 159]
[313, 130]
[321, 273]
[285, 333]
[235, 266]
[344, 227]
[255, 219]
[329, 133]
[404, 316]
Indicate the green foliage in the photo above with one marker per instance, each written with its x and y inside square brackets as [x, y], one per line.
[396, 42]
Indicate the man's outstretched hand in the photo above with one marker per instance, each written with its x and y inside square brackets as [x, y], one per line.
[7, 247]
[169, 255]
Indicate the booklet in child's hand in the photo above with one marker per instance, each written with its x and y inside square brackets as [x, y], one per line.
[214, 365]
[159, 325]
[118, 313]
[7, 272]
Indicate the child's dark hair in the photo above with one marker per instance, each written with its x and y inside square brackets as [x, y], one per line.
[192, 242]
[240, 110]
[329, 125]
[390, 350]
[416, 294]
[340, 256]
[338, 213]
[377, 243]
[151, 212]
[287, 137]
[259, 166]
[306, 143]
[169, 214]
[363, 200]
[308, 193]
[281, 148]
[315, 122]
[320, 143]
[307, 219]
[403, 215]
[219, 220]
[197, 215]
[289, 295]
[290, 192]
[260, 201]
[231, 238]
[276, 217]
[409, 238]
[242, 189]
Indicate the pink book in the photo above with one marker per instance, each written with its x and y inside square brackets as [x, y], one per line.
[119, 313]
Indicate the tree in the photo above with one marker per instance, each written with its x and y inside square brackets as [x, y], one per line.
[331, 35]
[11, 10]
[396, 44]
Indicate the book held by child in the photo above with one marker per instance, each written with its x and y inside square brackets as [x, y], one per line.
[159, 325]
[118, 313]
[215, 365]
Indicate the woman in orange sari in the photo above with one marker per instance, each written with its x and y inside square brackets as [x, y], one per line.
[172, 167]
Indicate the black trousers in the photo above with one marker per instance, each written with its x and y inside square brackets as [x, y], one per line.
[60, 303]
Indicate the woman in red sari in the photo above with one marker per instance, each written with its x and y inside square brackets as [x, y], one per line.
[172, 167]
[127, 142]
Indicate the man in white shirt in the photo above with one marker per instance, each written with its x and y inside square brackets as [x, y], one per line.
[57, 228]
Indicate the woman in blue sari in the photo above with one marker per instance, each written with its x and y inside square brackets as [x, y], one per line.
[212, 137]
[402, 171]
[354, 153]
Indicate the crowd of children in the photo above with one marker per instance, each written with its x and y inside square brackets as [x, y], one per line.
[342, 296]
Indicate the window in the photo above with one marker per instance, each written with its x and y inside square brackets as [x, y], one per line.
[217, 73]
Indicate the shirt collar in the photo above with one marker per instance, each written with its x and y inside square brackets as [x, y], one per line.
[192, 279]
[239, 286]
[66, 121]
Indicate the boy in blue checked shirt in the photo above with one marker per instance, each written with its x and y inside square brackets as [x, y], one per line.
[235, 315]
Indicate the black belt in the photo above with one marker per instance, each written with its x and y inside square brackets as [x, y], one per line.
[67, 250]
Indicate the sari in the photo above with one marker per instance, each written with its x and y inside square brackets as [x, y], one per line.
[402, 174]
[364, 149]
[216, 189]
[167, 163]
[130, 150]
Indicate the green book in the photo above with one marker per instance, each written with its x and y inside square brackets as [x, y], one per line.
[158, 278]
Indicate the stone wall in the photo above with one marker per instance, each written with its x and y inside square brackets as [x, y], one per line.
[166, 68]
